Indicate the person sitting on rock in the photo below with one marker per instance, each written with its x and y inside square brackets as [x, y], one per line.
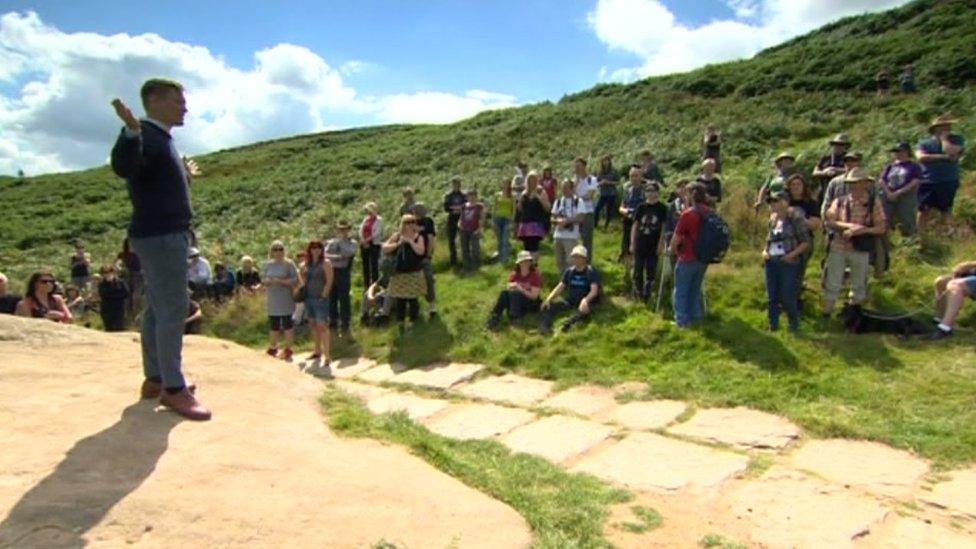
[8, 301]
[41, 302]
[521, 295]
[581, 284]
[951, 290]
[75, 301]
[224, 282]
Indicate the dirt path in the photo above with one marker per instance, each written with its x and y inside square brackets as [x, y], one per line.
[86, 463]
[748, 476]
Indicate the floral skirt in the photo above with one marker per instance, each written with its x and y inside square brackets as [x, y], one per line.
[407, 285]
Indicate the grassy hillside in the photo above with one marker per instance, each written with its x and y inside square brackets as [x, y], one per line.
[794, 97]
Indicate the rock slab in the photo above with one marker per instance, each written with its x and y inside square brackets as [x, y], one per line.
[510, 388]
[381, 373]
[789, 509]
[345, 368]
[871, 466]
[957, 494]
[438, 376]
[644, 415]
[557, 438]
[739, 427]
[586, 400]
[416, 407]
[477, 421]
[361, 390]
[646, 461]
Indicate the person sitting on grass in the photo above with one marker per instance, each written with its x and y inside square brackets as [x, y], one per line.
[951, 291]
[787, 241]
[470, 222]
[8, 301]
[522, 293]
[248, 278]
[280, 277]
[581, 283]
[193, 325]
[199, 275]
[320, 279]
[224, 282]
[377, 304]
[75, 301]
[112, 294]
[41, 302]
[645, 240]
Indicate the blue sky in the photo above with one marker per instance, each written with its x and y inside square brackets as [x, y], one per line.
[259, 69]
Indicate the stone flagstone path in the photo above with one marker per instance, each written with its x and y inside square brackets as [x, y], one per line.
[772, 487]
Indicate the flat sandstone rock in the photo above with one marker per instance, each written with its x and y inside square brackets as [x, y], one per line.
[381, 373]
[740, 427]
[789, 509]
[586, 400]
[957, 494]
[361, 390]
[557, 438]
[438, 376]
[643, 415]
[345, 368]
[871, 466]
[511, 388]
[477, 421]
[416, 407]
[912, 533]
[646, 461]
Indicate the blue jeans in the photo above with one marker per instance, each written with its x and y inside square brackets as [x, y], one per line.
[340, 306]
[782, 292]
[503, 226]
[163, 261]
[688, 279]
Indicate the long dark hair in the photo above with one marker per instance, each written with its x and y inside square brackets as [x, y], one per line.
[805, 194]
[33, 280]
[309, 258]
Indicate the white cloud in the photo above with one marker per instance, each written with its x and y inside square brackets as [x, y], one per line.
[650, 31]
[58, 117]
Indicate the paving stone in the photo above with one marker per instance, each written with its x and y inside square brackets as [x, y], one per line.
[868, 465]
[630, 388]
[361, 390]
[557, 438]
[912, 533]
[477, 421]
[416, 407]
[652, 414]
[381, 373]
[345, 368]
[587, 400]
[647, 461]
[515, 389]
[790, 509]
[740, 427]
[957, 494]
[439, 376]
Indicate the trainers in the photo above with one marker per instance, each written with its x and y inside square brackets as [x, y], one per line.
[185, 404]
[286, 356]
[272, 352]
[940, 334]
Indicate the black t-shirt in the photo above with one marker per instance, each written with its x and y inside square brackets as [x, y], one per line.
[195, 326]
[578, 283]
[425, 226]
[248, 280]
[649, 220]
[809, 207]
[8, 303]
[713, 187]
[112, 296]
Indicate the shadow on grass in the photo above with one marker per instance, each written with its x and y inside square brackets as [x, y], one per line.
[747, 344]
[858, 349]
[424, 343]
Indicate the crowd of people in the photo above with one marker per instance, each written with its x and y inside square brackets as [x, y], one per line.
[668, 231]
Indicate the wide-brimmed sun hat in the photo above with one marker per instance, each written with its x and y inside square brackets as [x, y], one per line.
[784, 155]
[840, 139]
[523, 256]
[578, 250]
[944, 120]
[858, 175]
[371, 207]
[343, 225]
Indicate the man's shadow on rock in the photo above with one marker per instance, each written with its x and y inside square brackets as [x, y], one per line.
[97, 473]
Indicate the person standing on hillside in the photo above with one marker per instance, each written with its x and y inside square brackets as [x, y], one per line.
[839, 186]
[712, 147]
[453, 202]
[939, 156]
[652, 172]
[8, 301]
[470, 224]
[607, 182]
[159, 189]
[407, 283]
[633, 197]
[831, 164]
[549, 183]
[340, 251]
[906, 80]
[370, 241]
[899, 180]
[711, 182]
[112, 295]
[409, 199]
[131, 268]
[783, 166]
[531, 215]
[503, 212]
[566, 221]
[645, 240]
[319, 276]
[427, 230]
[80, 268]
[280, 277]
[689, 274]
[586, 190]
[787, 241]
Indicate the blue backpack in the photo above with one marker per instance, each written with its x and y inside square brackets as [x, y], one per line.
[713, 238]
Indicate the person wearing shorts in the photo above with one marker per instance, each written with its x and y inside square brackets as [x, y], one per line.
[280, 278]
[939, 157]
[951, 291]
[320, 278]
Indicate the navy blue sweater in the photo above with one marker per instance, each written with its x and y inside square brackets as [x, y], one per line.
[156, 181]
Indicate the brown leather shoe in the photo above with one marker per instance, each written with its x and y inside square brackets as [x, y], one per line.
[185, 404]
[152, 389]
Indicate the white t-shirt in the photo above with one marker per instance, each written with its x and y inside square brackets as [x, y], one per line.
[566, 207]
[584, 186]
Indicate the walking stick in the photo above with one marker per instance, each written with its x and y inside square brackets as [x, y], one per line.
[665, 268]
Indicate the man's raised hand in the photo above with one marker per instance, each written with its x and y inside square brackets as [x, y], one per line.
[125, 114]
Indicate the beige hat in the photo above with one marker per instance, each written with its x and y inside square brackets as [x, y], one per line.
[944, 120]
[840, 139]
[342, 224]
[371, 207]
[578, 250]
[858, 175]
[524, 255]
[783, 155]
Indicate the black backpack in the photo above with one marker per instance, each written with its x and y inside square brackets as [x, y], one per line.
[713, 238]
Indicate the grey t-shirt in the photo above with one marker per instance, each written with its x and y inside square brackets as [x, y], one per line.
[315, 279]
[280, 299]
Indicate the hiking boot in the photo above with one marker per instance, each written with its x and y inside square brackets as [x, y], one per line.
[185, 404]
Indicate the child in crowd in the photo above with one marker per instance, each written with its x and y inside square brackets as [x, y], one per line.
[646, 239]
[470, 223]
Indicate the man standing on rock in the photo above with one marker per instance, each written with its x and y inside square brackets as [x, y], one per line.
[159, 232]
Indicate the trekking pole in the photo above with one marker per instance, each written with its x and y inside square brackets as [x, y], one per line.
[660, 289]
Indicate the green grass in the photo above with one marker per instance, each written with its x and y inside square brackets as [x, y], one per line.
[563, 509]
[718, 541]
[647, 519]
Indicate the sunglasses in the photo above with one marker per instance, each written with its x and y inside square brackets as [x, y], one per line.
[46, 281]
[277, 249]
